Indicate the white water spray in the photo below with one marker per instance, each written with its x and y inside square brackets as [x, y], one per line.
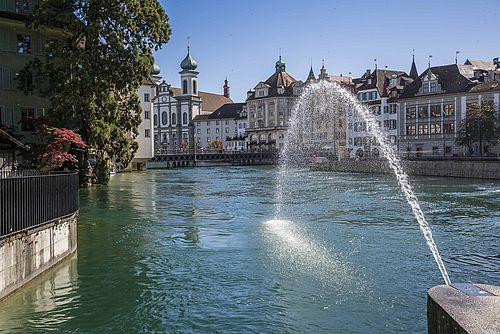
[321, 106]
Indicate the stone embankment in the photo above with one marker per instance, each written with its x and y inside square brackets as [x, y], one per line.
[489, 169]
[27, 254]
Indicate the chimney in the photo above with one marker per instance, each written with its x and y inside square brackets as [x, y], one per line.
[226, 89]
[368, 72]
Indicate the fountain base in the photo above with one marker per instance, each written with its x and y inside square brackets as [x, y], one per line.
[463, 308]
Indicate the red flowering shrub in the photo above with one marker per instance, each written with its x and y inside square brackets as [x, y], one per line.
[57, 151]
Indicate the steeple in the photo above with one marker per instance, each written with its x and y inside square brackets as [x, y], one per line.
[311, 76]
[413, 70]
[280, 66]
[226, 89]
[189, 63]
[322, 72]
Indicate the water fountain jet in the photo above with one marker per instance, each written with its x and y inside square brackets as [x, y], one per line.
[320, 107]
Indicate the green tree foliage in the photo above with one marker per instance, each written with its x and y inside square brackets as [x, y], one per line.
[480, 126]
[94, 69]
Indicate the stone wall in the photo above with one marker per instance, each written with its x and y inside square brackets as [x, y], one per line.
[26, 255]
[447, 168]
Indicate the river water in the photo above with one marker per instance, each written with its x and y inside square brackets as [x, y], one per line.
[193, 251]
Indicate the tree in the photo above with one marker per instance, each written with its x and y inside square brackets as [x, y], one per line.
[92, 70]
[216, 144]
[481, 125]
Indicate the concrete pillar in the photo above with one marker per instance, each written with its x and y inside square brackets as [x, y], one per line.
[463, 308]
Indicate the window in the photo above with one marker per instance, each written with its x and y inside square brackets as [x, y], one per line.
[198, 131]
[435, 110]
[423, 112]
[27, 118]
[164, 118]
[184, 118]
[208, 131]
[411, 112]
[146, 114]
[147, 133]
[164, 136]
[358, 141]
[261, 93]
[184, 87]
[448, 109]
[240, 125]
[226, 130]
[195, 88]
[23, 44]
[433, 87]
[393, 108]
[392, 124]
[146, 97]
[22, 6]
[448, 128]
[425, 88]
[216, 122]
[423, 129]
[410, 130]
[208, 123]
[447, 150]
[227, 122]
[386, 109]
[435, 128]
[435, 150]
[155, 120]
[174, 119]
[216, 130]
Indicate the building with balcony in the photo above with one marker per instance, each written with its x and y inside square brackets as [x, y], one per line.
[269, 107]
[433, 107]
[375, 90]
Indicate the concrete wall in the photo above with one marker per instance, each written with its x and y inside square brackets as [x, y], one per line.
[447, 168]
[28, 254]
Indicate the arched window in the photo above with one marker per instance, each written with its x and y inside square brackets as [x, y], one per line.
[360, 153]
[184, 87]
[195, 86]
[184, 118]
[155, 119]
[174, 121]
[164, 118]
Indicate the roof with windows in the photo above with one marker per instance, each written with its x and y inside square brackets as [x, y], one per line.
[381, 79]
[230, 110]
[279, 79]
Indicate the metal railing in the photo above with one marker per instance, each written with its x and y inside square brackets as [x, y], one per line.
[29, 199]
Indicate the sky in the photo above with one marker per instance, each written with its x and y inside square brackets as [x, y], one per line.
[241, 40]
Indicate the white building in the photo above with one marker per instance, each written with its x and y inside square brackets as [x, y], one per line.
[269, 107]
[433, 107]
[175, 109]
[375, 89]
[145, 150]
[226, 125]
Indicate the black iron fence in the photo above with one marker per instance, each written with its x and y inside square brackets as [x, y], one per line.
[30, 199]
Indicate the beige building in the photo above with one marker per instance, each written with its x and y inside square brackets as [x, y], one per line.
[269, 106]
[18, 46]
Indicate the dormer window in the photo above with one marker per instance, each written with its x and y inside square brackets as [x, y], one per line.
[261, 92]
[281, 90]
[425, 88]
[433, 87]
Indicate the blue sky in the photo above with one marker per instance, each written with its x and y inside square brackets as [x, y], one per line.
[241, 39]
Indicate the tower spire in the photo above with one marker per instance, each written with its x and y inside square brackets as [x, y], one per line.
[413, 70]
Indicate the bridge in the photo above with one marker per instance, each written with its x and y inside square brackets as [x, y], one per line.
[193, 158]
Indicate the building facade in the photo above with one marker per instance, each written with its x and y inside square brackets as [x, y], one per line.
[19, 103]
[433, 108]
[226, 125]
[375, 90]
[175, 109]
[269, 107]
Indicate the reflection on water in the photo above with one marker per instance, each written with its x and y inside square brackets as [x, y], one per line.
[45, 302]
[193, 251]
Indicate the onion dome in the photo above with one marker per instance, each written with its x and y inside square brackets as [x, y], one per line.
[189, 63]
[155, 70]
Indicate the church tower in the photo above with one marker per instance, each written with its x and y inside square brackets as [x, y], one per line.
[226, 89]
[189, 76]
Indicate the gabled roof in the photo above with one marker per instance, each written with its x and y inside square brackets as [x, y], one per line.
[209, 101]
[278, 79]
[452, 78]
[486, 65]
[230, 110]
[379, 80]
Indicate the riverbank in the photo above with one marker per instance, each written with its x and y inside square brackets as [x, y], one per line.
[446, 168]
